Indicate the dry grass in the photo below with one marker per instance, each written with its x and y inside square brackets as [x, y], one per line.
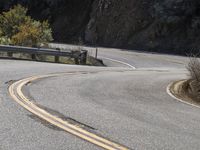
[194, 69]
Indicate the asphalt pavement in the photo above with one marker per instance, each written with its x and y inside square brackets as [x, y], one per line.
[128, 105]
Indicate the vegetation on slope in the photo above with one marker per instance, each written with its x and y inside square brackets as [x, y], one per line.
[19, 29]
[194, 84]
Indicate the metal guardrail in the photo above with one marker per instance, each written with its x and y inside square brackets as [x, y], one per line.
[80, 57]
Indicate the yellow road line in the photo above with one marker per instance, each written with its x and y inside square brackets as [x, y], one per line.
[15, 91]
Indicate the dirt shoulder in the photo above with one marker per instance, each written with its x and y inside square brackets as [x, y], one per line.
[183, 91]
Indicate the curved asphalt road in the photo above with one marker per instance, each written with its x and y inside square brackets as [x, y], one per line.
[128, 106]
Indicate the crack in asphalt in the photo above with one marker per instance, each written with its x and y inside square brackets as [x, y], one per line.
[65, 118]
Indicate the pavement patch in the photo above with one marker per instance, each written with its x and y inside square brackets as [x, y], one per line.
[68, 119]
[10, 82]
[44, 122]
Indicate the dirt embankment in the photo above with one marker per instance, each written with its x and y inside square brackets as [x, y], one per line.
[185, 91]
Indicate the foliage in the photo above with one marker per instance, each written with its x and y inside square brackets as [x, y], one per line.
[46, 32]
[5, 40]
[11, 20]
[32, 33]
[19, 29]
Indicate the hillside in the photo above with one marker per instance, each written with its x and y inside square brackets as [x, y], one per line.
[171, 26]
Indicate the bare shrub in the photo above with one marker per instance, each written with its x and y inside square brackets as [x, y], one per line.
[194, 69]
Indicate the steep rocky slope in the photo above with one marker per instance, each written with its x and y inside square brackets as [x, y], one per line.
[167, 25]
[171, 26]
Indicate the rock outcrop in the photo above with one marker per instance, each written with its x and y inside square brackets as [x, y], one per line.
[166, 26]
[170, 26]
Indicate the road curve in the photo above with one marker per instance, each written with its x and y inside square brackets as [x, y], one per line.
[15, 91]
[126, 105]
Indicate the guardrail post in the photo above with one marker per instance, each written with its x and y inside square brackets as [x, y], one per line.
[83, 57]
[57, 60]
[76, 55]
[33, 56]
[96, 53]
[10, 54]
[76, 61]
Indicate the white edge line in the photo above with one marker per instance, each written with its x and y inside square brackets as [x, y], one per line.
[119, 62]
[178, 99]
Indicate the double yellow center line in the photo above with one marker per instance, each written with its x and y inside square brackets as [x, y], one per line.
[16, 93]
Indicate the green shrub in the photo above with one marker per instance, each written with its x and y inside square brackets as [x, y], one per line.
[11, 20]
[32, 33]
[19, 29]
[5, 40]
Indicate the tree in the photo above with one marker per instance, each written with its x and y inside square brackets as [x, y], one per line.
[11, 20]
[3, 39]
[20, 29]
[32, 33]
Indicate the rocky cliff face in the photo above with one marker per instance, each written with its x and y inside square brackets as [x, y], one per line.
[171, 26]
[167, 25]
